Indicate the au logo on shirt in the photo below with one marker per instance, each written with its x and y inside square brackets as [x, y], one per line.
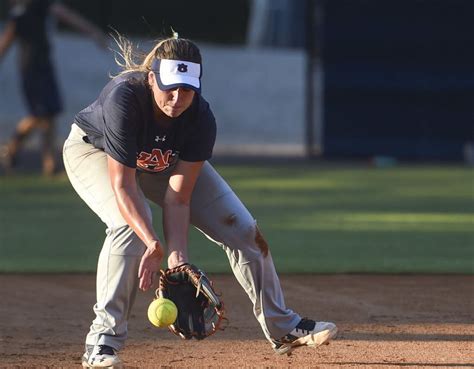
[156, 161]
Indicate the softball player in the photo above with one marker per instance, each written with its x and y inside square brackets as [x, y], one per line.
[149, 135]
[27, 24]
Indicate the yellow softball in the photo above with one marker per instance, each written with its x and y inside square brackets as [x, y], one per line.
[162, 312]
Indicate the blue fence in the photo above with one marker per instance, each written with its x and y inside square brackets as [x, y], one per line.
[399, 78]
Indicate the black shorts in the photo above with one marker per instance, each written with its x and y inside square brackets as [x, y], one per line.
[41, 91]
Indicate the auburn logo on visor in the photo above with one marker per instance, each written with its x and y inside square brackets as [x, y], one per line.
[156, 161]
[183, 68]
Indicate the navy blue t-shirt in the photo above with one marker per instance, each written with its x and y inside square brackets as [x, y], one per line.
[121, 122]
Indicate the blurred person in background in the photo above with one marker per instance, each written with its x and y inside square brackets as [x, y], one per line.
[149, 135]
[27, 24]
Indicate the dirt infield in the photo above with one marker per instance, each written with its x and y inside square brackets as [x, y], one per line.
[384, 321]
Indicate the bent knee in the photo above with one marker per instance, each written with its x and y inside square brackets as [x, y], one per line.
[254, 237]
[248, 243]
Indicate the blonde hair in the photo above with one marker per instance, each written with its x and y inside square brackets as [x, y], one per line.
[130, 59]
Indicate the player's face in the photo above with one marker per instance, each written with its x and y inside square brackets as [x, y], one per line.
[171, 102]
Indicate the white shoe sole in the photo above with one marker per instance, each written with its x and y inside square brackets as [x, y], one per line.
[86, 365]
[312, 340]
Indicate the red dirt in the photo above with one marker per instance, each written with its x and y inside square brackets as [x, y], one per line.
[384, 321]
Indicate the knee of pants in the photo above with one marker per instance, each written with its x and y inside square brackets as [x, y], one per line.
[124, 241]
[247, 243]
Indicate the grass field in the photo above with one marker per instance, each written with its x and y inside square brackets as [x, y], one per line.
[317, 218]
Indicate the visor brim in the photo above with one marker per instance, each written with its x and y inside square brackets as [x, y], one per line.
[176, 81]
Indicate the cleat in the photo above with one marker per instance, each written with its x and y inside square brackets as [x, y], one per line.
[101, 356]
[306, 333]
[87, 354]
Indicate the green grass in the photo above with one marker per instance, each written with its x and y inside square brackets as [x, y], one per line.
[317, 219]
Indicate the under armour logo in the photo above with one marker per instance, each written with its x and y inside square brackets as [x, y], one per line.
[183, 68]
[158, 138]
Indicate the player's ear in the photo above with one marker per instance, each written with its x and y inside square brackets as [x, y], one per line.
[151, 79]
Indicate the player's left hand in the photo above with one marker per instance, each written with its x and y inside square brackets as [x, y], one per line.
[149, 266]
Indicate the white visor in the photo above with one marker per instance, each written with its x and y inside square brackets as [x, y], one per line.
[177, 73]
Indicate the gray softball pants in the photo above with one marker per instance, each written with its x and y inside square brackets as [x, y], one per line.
[215, 210]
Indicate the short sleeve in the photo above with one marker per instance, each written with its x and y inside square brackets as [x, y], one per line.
[121, 117]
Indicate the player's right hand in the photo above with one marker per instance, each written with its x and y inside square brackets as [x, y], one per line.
[150, 265]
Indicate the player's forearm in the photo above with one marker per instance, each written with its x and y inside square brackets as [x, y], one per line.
[176, 226]
[133, 210]
[131, 204]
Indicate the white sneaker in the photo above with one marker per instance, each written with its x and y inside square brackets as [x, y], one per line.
[101, 356]
[87, 354]
[306, 333]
